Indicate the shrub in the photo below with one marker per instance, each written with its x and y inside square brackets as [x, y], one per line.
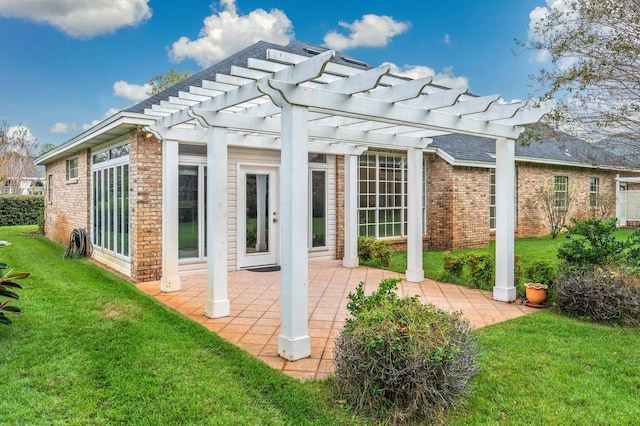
[481, 266]
[452, 265]
[374, 252]
[541, 272]
[20, 209]
[596, 244]
[604, 295]
[7, 290]
[400, 360]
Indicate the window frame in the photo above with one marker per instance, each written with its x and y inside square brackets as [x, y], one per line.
[561, 192]
[594, 192]
[72, 170]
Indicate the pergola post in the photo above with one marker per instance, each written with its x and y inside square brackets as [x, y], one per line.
[217, 303]
[294, 342]
[415, 271]
[504, 289]
[170, 281]
[350, 259]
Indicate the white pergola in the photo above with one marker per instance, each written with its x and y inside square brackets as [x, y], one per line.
[301, 104]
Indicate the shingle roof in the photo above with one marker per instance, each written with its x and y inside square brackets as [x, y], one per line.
[257, 50]
[566, 149]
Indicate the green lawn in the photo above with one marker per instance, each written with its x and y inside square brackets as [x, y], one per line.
[529, 250]
[89, 348]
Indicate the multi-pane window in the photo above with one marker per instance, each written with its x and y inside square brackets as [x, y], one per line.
[492, 198]
[561, 191]
[382, 196]
[72, 168]
[594, 190]
[110, 203]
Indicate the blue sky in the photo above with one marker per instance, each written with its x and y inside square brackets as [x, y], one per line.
[68, 65]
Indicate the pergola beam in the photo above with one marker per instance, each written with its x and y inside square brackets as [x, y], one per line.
[341, 104]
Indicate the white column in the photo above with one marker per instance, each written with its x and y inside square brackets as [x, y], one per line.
[261, 210]
[350, 259]
[217, 302]
[504, 289]
[415, 271]
[170, 280]
[294, 341]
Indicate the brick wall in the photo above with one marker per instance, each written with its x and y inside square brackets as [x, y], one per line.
[440, 203]
[68, 207]
[145, 201]
[531, 219]
[457, 205]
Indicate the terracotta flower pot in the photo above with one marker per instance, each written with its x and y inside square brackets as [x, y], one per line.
[536, 293]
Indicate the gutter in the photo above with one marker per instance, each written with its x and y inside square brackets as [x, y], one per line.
[122, 118]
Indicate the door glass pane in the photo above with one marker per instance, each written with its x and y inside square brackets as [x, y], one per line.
[187, 212]
[318, 208]
[125, 209]
[257, 215]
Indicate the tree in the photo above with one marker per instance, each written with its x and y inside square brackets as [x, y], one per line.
[556, 201]
[593, 77]
[16, 156]
[160, 82]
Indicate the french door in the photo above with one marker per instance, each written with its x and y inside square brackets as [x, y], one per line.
[257, 219]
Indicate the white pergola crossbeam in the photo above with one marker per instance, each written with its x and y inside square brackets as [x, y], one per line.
[440, 99]
[400, 92]
[360, 82]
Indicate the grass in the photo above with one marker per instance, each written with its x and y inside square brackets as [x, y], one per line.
[89, 348]
[529, 250]
[548, 369]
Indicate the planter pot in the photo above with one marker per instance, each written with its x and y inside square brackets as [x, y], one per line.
[536, 293]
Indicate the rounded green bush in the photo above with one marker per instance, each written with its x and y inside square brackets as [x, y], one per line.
[400, 360]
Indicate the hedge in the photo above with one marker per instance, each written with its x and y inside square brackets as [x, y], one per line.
[20, 209]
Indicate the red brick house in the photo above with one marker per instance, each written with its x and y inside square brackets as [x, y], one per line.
[283, 154]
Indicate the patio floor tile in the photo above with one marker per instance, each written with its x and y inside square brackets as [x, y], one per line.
[254, 323]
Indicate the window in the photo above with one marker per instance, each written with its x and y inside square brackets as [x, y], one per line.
[492, 198]
[50, 187]
[192, 211]
[318, 208]
[594, 190]
[110, 206]
[72, 168]
[382, 195]
[561, 190]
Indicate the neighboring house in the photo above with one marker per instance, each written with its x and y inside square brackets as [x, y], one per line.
[27, 186]
[282, 154]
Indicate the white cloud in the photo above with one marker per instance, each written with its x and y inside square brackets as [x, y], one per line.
[21, 132]
[80, 18]
[370, 31]
[61, 127]
[132, 92]
[227, 32]
[537, 19]
[445, 78]
[447, 39]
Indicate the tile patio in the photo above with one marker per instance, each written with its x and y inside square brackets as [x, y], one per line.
[254, 323]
